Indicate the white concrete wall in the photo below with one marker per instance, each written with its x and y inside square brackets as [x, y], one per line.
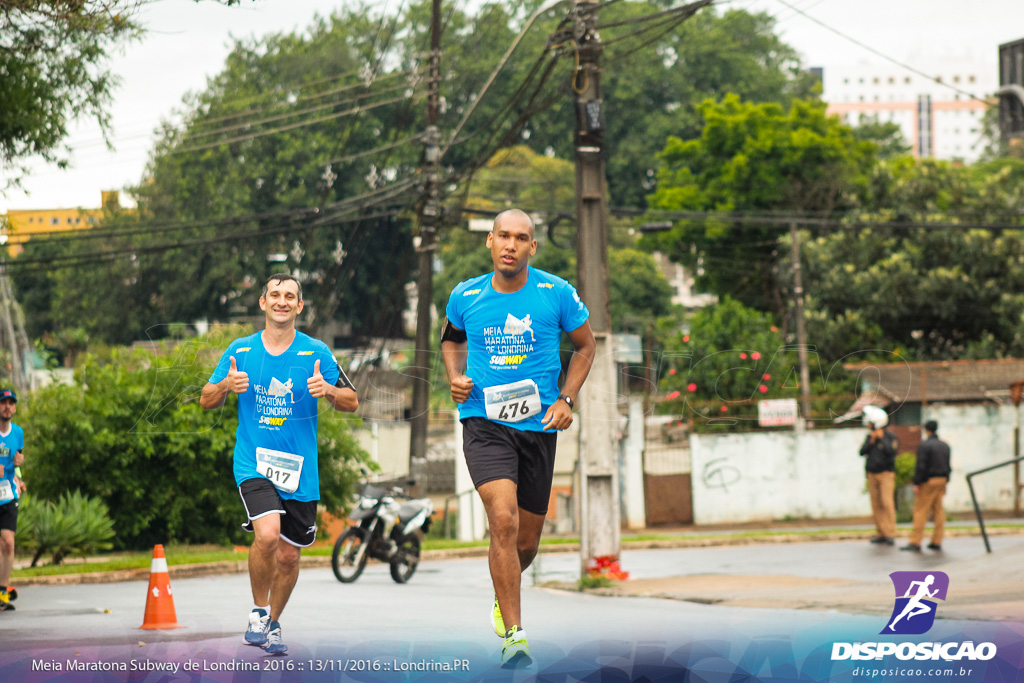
[764, 476]
[820, 474]
[978, 437]
[631, 468]
[388, 445]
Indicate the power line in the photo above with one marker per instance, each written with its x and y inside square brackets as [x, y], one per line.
[300, 124]
[159, 227]
[835, 221]
[884, 56]
[319, 95]
[494, 73]
[92, 258]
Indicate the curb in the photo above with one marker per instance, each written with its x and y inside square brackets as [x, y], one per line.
[321, 561]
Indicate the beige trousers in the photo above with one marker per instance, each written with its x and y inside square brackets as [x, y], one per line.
[928, 499]
[881, 486]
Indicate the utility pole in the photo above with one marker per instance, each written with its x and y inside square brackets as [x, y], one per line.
[429, 212]
[801, 331]
[599, 507]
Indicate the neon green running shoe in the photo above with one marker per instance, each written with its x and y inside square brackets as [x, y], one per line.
[516, 651]
[496, 621]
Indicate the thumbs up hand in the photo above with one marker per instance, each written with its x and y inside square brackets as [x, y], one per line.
[237, 380]
[317, 385]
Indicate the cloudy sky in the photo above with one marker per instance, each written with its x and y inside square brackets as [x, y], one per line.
[187, 42]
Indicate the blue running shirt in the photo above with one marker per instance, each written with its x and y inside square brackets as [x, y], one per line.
[9, 446]
[277, 413]
[515, 336]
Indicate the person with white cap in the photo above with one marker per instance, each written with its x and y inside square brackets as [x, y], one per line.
[879, 450]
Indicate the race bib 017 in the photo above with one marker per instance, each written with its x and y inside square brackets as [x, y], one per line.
[282, 469]
[512, 402]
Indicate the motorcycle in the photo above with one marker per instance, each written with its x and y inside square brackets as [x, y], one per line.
[386, 530]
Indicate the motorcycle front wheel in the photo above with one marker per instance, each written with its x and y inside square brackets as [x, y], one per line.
[406, 559]
[349, 557]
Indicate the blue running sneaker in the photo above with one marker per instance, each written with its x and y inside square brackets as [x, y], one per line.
[274, 645]
[259, 625]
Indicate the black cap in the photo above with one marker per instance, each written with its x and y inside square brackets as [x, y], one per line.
[931, 426]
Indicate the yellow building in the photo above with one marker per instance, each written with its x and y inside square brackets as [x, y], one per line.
[23, 224]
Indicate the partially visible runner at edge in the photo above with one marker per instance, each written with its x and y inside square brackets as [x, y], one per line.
[12, 443]
[280, 375]
[500, 344]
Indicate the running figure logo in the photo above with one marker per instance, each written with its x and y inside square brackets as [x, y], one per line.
[916, 593]
[515, 326]
[279, 388]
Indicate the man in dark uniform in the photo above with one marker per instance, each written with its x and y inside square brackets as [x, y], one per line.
[879, 451]
[931, 474]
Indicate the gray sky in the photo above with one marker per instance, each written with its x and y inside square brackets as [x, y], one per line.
[188, 42]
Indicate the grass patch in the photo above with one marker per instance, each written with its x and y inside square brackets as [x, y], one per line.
[178, 555]
[586, 582]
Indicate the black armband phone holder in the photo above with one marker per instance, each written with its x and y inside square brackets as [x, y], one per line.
[451, 333]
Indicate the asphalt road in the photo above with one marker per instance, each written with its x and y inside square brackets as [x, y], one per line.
[376, 629]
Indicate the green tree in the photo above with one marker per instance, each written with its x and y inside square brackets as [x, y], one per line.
[261, 178]
[885, 135]
[54, 60]
[734, 356]
[754, 158]
[655, 76]
[133, 435]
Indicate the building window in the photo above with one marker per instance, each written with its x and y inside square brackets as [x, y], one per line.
[54, 221]
[77, 221]
[875, 80]
[956, 79]
[846, 81]
[31, 220]
[938, 79]
[906, 80]
[892, 80]
[971, 79]
[69, 220]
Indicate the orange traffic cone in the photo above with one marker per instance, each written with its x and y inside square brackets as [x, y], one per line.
[159, 599]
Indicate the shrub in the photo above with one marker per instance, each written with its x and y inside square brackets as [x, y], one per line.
[131, 432]
[74, 524]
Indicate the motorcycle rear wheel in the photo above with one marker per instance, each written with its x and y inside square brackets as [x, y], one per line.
[405, 561]
[349, 557]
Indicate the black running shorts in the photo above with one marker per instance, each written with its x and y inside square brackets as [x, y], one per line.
[9, 515]
[496, 451]
[298, 518]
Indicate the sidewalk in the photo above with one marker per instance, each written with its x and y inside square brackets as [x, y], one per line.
[988, 587]
[802, 531]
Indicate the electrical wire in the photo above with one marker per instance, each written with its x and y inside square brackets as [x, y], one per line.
[494, 73]
[320, 95]
[884, 56]
[300, 124]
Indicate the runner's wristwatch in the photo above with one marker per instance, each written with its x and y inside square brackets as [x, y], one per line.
[563, 397]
